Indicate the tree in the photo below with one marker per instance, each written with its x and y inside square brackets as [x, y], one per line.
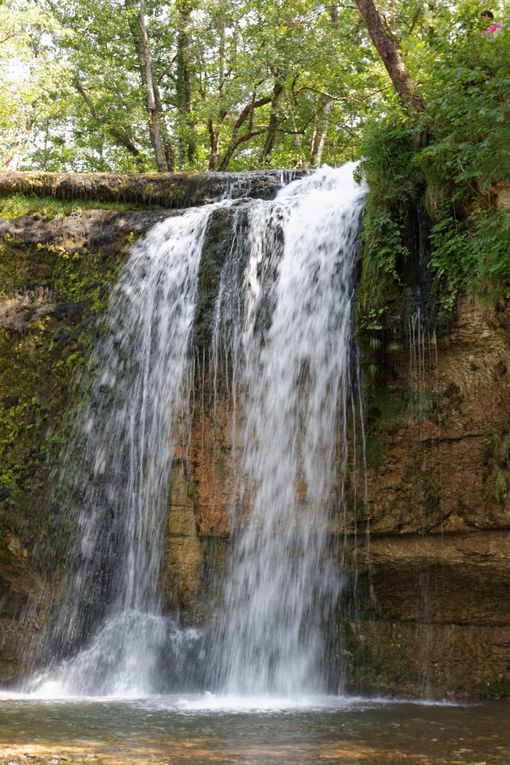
[135, 10]
[184, 82]
[221, 84]
[386, 46]
[32, 78]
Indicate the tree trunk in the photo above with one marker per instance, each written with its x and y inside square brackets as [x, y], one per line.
[386, 46]
[296, 136]
[21, 139]
[137, 25]
[246, 115]
[234, 145]
[215, 130]
[184, 84]
[214, 139]
[320, 132]
[121, 135]
[274, 121]
[333, 15]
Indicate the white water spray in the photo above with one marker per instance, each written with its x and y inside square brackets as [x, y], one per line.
[118, 470]
[290, 337]
[297, 343]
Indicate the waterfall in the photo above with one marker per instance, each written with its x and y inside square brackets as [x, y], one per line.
[118, 466]
[296, 376]
[284, 319]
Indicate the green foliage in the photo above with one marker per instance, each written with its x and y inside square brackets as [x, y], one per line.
[387, 166]
[467, 96]
[17, 205]
[467, 157]
[472, 253]
[501, 453]
[456, 154]
[216, 67]
[73, 95]
[33, 78]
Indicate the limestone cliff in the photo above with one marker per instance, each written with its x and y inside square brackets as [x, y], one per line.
[433, 537]
[438, 491]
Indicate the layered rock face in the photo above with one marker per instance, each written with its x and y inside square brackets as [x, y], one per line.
[430, 612]
[55, 278]
[431, 551]
[438, 486]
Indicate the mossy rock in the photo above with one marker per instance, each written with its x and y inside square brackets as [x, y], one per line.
[56, 277]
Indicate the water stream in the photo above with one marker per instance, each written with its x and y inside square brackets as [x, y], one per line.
[117, 470]
[202, 731]
[291, 332]
[294, 369]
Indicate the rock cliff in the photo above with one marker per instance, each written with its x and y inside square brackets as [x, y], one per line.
[430, 612]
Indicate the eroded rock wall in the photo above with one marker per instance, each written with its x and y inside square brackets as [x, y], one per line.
[438, 484]
[55, 278]
[433, 534]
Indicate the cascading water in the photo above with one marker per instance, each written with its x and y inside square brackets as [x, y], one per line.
[119, 466]
[295, 371]
[284, 319]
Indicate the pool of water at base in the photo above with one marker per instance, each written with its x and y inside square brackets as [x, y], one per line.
[198, 730]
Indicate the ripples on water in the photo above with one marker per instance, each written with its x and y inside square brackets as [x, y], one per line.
[209, 728]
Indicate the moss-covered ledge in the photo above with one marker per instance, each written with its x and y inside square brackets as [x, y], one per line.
[169, 190]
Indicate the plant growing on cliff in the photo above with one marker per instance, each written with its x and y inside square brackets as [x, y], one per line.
[387, 166]
[465, 82]
[17, 205]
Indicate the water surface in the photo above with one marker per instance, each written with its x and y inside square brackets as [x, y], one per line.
[211, 729]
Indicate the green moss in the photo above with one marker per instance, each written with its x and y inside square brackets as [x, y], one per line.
[390, 411]
[500, 689]
[15, 206]
[500, 447]
[40, 369]
[77, 275]
[431, 497]
[374, 451]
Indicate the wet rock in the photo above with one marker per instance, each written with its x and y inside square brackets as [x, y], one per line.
[23, 308]
[439, 544]
[438, 505]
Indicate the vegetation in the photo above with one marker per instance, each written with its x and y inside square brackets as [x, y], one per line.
[465, 161]
[16, 205]
[415, 88]
[131, 85]
[39, 376]
[154, 85]
[454, 156]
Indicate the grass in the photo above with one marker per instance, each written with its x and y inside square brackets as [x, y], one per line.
[16, 205]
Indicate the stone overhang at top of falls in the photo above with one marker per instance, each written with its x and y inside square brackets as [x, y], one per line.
[168, 190]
